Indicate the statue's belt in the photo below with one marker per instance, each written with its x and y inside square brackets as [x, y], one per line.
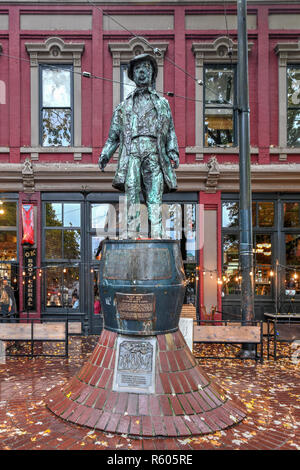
[144, 135]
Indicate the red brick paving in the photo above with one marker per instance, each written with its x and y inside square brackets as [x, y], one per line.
[270, 392]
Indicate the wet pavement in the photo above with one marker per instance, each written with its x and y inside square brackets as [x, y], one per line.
[270, 392]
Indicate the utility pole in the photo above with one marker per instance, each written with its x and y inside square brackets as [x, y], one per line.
[246, 239]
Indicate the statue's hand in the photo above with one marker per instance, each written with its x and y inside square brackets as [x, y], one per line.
[174, 160]
[102, 162]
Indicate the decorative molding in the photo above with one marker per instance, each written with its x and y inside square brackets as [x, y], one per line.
[122, 53]
[213, 175]
[28, 176]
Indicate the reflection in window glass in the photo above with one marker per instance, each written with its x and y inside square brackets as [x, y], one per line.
[263, 249]
[56, 106]
[262, 280]
[53, 214]
[253, 214]
[8, 245]
[71, 215]
[8, 214]
[231, 278]
[61, 285]
[190, 231]
[292, 247]
[265, 214]
[95, 245]
[292, 283]
[71, 244]
[56, 127]
[230, 214]
[293, 110]
[53, 244]
[190, 293]
[291, 214]
[56, 87]
[219, 96]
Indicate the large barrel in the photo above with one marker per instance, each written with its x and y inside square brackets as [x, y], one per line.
[142, 286]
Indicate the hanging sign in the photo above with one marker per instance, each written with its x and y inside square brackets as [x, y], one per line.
[28, 224]
[29, 264]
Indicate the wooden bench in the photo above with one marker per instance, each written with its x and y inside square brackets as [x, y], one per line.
[36, 332]
[230, 334]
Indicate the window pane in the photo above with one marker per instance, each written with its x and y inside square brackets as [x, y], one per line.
[71, 244]
[219, 85]
[172, 221]
[8, 245]
[253, 214]
[218, 127]
[262, 280]
[56, 127]
[231, 250]
[230, 214]
[293, 127]
[8, 214]
[292, 247]
[190, 293]
[190, 231]
[61, 284]
[53, 276]
[95, 245]
[263, 249]
[293, 86]
[71, 215]
[53, 244]
[292, 284]
[291, 214]
[56, 87]
[71, 287]
[53, 214]
[265, 214]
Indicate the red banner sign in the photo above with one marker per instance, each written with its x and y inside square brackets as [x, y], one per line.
[28, 224]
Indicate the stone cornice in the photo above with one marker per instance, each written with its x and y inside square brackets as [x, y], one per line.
[71, 177]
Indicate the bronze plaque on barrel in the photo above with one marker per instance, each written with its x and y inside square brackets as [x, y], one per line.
[139, 307]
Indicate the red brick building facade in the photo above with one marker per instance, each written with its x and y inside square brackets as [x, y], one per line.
[63, 70]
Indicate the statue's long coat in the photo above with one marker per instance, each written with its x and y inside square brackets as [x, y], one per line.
[120, 135]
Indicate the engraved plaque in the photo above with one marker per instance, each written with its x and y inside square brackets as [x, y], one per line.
[135, 365]
[140, 307]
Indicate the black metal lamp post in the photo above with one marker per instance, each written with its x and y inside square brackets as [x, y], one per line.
[246, 239]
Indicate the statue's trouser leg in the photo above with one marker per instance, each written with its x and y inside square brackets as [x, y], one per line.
[132, 191]
[154, 184]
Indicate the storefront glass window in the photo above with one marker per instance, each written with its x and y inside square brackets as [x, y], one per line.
[266, 214]
[230, 214]
[291, 214]
[292, 244]
[62, 287]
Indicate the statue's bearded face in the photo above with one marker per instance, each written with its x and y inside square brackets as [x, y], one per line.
[142, 73]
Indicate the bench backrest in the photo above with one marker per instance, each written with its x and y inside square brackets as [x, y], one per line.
[227, 334]
[41, 331]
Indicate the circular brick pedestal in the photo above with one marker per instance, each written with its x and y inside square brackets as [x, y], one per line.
[185, 401]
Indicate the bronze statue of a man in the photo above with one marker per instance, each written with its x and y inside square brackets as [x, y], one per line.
[143, 127]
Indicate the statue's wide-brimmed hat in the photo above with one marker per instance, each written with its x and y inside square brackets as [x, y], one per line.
[140, 58]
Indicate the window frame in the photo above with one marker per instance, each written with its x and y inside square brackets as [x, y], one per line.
[233, 107]
[43, 66]
[62, 262]
[296, 66]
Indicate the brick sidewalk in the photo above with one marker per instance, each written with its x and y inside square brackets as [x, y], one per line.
[270, 392]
